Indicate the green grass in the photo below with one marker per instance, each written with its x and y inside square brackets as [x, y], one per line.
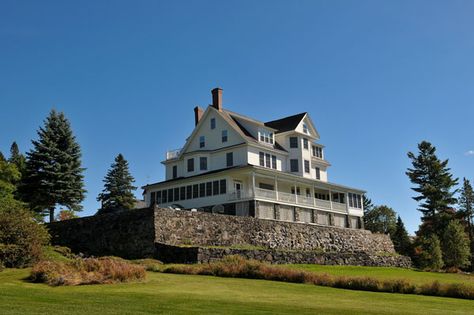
[386, 273]
[168, 293]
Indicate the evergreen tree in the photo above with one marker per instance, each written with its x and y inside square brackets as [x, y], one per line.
[17, 158]
[466, 212]
[9, 175]
[400, 239]
[367, 202]
[380, 219]
[434, 185]
[429, 253]
[456, 252]
[53, 168]
[2, 157]
[118, 188]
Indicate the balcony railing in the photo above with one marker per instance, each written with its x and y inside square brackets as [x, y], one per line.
[173, 154]
[275, 196]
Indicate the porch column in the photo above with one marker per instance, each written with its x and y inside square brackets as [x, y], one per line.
[253, 184]
[312, 196]
[346, 195]
[276, 188]
[296, 194]
[330, 199]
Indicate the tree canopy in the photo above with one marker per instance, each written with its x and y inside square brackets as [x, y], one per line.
[381, 219]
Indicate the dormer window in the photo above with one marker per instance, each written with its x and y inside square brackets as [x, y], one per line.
[305, 128]
[265, 136]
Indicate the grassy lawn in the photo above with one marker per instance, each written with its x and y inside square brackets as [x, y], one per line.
[416, 277]
[168, 293]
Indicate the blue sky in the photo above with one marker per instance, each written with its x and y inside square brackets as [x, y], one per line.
[377, 77]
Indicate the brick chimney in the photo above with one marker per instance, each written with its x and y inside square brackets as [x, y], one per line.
[197, 114]
[217, 98]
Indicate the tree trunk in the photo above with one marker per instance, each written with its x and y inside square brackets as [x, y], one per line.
[51, 214]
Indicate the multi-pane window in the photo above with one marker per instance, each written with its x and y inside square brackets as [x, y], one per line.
[175, 171]
[305, 143]
[215, 187]
[203, 163]
[152, 198]
[191, 165]
[202, 190]
[164, 196]
[182, 193]
[317, 152]
[267, 160]
[195, 191]
[213, 123]
[230, 159]
[262, 158]
[338, 197]
[202, 141]
[355, 200]
[189, 192]
[224, 135]
[306, 166]
[209, 189]
[223, 186]
[158, 197]
[293, 142]
[170, 195]
[265, 136]
[294, 165]
[318, 172]
[176, 194]
[274, 162]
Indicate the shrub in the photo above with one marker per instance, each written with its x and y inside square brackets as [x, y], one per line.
[149, 264]
[103, 270]
[21, 238]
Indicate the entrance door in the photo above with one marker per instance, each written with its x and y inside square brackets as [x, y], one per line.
[238, 189]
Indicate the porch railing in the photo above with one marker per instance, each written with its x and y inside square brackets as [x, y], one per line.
[272, 195]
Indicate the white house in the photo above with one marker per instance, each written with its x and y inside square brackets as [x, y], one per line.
[237, 165]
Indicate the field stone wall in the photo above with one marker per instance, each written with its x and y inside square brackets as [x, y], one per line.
[205, 229]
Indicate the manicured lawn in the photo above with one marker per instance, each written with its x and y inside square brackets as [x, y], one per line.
[413, 276]
[168, 293]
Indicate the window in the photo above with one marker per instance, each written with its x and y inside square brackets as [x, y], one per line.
[176, 194]
[189, 192]
[355, 200]
[195, 191]
[305, 128]
[265, 136]
[305, 143]
[317, 152]
[175, 171]
[262, 158]
[182, 193]
[224, 135]
[191, 165]
[318, 172]
[266, 186]
[306, 166]
[215, 187]
[164, 196]
[308, 192]
[158, 197]
[202, 141]
[274, 162]
[293, 142]
[338, 197]
[209, 189]
[267, 160]
[213, 123]
[294, 165]
[230, 158]
[203, 163]
[223, 186]
[170, 195]
[152, 198]
[202, 190]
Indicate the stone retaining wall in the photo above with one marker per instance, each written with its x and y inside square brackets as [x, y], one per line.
[205, 229]
[187, 255]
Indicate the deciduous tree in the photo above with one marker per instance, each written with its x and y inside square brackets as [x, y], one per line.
[381, 219]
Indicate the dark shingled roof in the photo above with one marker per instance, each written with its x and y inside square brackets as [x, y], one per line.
[287, 123]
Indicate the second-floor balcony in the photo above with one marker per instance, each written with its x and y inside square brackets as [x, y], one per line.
[172, 154]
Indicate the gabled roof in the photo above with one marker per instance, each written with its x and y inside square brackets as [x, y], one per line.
[287, 123]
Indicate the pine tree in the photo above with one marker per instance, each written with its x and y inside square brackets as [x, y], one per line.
[380, 219]
[429, 251]
[456, 252]
[53, 168]
[367, 202]
[17, 158]
[434, 184]
[466, 212]
[2, 157]
[118, 189]
[400, 239]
